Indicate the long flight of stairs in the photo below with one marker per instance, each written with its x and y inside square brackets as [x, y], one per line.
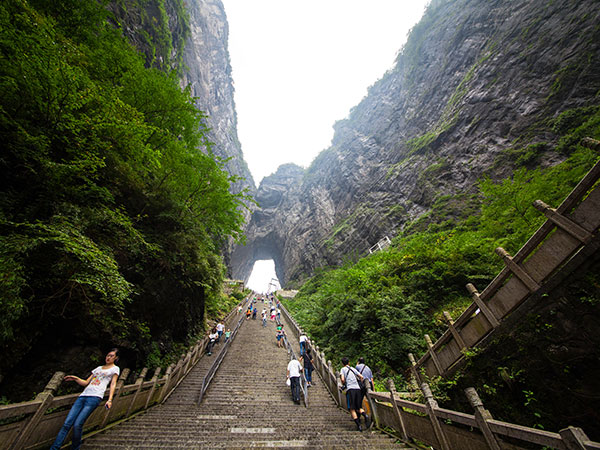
[248, 405]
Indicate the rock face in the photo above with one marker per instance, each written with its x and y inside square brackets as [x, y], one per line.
[267, 223]
[207, 71]
[475, 79]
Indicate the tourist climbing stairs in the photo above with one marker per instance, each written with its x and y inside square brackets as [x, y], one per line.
[247, 405]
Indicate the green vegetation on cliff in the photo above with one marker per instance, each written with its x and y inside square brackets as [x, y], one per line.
[113, 207]
[381, 306]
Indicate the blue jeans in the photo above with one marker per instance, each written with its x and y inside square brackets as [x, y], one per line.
[302, 347]
[308, 375]
[80, 411]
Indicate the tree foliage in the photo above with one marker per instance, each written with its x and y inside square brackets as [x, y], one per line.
[112, 206]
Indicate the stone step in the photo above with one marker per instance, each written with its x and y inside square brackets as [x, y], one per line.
[247, 405]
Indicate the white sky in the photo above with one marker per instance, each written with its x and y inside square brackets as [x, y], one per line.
[262, 273]
[300, 65]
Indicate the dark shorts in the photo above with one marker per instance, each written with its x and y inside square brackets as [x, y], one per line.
[354, 398]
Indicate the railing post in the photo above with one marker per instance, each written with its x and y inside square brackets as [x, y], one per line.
[153, 388]
[487, 312]
[186, 363]
[482, 415]
[46, 397]
[574, 438]
[415, 373]
[517, 270]
[333, 382]
[163, 391]
[431, 405]
[392, 388]
[433, 355]
[373, 405]
[457, 337]
[118, 392]
[574, 229]
[139, 382]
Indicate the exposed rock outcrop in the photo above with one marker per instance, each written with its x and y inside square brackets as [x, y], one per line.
[475, 78]
[207, 70]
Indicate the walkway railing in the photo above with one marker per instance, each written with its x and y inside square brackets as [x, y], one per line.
[35, 424]
[571, 229]
[444, 429]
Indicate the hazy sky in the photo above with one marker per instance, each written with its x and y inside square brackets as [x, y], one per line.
[299, 66]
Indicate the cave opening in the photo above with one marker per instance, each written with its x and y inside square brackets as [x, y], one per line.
[263, 278]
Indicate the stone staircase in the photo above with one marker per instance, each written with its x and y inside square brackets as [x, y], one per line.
[247, 405]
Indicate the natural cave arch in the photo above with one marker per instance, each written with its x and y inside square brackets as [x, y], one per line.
[243, 258]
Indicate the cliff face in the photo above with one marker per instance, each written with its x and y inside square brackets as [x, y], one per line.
[207, 70]
[191, 38]
[470, 93]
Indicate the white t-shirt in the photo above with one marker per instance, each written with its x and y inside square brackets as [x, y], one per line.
[350, 377]
[294, 367]
[220, 327]
[100, 379]
[213, 336]
[303, 338]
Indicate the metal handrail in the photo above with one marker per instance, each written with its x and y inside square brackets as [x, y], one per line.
[217, 362]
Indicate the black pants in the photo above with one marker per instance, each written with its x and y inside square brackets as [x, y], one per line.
[210, 346]
[295, 388]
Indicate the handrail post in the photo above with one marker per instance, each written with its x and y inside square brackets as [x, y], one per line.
[45, 397]
[118, 393]
[482, 415]
[431, 405]
[139, 382]
[457, 337]
[574, 438]
[373, 404]
[433, 355]
[163, 391]
[392, 388]
[487, 312]
[414, 371]
[153, 388]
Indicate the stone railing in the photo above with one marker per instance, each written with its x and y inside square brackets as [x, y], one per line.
[35, 424]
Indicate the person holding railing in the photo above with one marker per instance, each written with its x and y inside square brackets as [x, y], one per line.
[293, 373]
[303, 340]
[95, 387]
[279, 336]
[308, 367]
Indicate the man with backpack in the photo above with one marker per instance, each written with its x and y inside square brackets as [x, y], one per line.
[353, 381]
[365, 371]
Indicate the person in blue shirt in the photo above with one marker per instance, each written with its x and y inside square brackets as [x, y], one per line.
[365, 371]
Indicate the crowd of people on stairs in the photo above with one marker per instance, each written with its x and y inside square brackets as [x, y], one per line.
[353, 380]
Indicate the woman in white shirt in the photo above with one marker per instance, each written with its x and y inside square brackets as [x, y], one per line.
[95, 386]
